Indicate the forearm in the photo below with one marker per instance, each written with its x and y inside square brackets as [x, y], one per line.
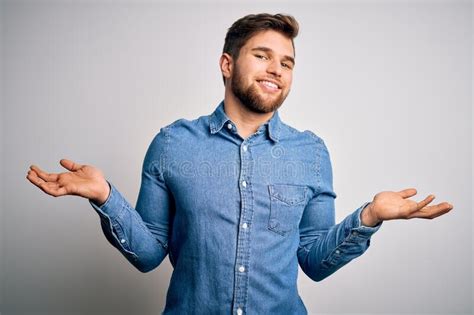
[332, 249]
[126, 231]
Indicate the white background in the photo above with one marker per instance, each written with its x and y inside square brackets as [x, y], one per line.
[387, 85]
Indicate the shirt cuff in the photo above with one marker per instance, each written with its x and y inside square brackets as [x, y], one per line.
[113, 206]
[358, 229]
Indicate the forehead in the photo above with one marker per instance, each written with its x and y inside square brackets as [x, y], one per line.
[274, 40]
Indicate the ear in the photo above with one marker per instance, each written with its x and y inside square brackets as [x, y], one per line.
[227, 64]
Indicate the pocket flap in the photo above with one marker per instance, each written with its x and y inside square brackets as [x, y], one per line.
[289, 194]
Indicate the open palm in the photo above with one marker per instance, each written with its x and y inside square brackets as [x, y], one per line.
[81, 180]
[389, 205]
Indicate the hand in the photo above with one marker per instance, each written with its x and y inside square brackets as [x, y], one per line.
[82, 180]
[389, 205]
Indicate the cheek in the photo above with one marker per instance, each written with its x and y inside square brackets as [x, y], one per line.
[289, 81]
[256, 67]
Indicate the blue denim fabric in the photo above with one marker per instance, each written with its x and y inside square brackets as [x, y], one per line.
[235, 215]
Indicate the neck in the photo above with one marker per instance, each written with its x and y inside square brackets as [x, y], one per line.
[246, 121]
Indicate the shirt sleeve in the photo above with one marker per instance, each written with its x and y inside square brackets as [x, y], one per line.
[141, 233]
[325, 246]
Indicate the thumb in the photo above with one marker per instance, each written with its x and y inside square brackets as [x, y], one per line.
[70, 165]
[409, 192]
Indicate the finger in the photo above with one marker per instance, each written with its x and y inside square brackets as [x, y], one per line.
[34, 179]
[53, 189]
[412, 206]
[431, 212]
[43, 175]
[425, 202]
[407, 193]
[40, 183]
[70, 165]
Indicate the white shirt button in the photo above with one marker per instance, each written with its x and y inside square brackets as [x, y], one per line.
[239, 311]
[244, 148]
[244, 225]
[241, 268]
[337, 251]
[122, 240]
[229, 125]
[244, 183]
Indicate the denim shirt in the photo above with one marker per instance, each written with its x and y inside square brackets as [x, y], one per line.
[236, 216]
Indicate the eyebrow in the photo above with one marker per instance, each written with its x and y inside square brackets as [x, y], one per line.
[266, 49]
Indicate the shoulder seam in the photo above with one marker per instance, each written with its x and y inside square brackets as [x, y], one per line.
[313, 136]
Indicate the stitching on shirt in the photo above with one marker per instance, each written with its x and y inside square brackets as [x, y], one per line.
[318, 142]
[162, 164]
[333, 258]
[317, 139]
[249, 236]
[126, 248]
[318, 170]
[291, 202]
[122, 209]
[304, 248]
[165, 151]
[274, 199]
[143, 226]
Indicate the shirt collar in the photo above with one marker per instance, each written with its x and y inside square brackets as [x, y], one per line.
[218, 118]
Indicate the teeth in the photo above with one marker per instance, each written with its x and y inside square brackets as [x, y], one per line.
[270, 84]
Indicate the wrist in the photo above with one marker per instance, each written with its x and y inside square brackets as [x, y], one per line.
[103, 195]
[367, 216]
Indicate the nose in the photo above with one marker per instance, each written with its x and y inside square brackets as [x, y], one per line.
[274, 67]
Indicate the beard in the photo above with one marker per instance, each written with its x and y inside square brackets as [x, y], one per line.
[250, 98]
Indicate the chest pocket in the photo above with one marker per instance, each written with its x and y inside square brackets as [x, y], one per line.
[287, 204]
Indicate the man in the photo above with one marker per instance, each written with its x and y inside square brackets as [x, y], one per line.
[237, 198]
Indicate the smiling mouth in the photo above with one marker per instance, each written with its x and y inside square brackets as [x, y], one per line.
[269, 85]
